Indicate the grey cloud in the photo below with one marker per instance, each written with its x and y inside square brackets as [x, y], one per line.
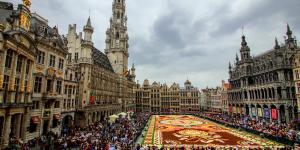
[171, 40]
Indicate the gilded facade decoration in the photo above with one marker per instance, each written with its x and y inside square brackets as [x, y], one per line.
[27, 3]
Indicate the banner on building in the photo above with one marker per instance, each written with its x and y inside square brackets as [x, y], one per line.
[274, 113]
[266, 113]
[253, 111]
[259, 112]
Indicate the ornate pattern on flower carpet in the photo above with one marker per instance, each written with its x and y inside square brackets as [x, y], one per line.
[189, 130]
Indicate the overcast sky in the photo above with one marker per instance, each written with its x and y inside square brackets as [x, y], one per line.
[172, 40]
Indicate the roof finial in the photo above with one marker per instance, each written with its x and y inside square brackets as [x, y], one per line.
[289, 31]
[276, 44]
[27, 3]
[244, 43]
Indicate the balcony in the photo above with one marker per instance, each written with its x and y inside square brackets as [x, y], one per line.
[46, 113]
[50, 95]
[14, 105]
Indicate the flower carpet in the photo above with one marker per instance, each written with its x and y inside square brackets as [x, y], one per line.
[186, 130]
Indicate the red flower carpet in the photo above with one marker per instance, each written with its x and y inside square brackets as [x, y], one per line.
[185, 130]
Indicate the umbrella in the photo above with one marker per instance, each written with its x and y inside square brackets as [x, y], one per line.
[113, 118]
[122, 114]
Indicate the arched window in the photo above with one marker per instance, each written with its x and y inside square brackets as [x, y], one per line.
[118, 15]
[117, 35]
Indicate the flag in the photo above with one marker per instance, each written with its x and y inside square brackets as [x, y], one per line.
[92, 99]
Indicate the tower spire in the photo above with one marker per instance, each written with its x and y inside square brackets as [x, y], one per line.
[289, 31]
[88, 30]
[89, 24]
[237, 57]
[117, 38]
[244, 42]
[245, 50]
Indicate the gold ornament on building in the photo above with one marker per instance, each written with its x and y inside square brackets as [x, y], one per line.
[29, 88]
[22, 86]
[11, 86]
[1, 81]
[27, 3]
[24, 21]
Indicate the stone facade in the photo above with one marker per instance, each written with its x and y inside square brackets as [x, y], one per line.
[159, 98]
[32, 74]
[48, 76]
[211, 99]
[262, 86]
[224, 96]
[296, 72]
[17, 57]
[105, 83]
[215, 99]
[49, 82]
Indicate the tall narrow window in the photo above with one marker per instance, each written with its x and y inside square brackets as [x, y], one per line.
[52, 61]
[49, 85]
[117, 35]
[70, 57]
[17, 88]
[58, 87]
[61, 64]
[19, 64]
[76, 56]
[5, 88]
[37, 84]
[40, 57]
[27, 67]
[8, 60]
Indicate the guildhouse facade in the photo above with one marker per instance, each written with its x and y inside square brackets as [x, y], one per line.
[17, 57]
[160, 98]
[49, 82]
[32, 74]
[106, 86]
[262, 86]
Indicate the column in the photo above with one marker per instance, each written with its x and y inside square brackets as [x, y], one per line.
[286, 113]
[22, 81]
[278, 115]
[256, 112]
[2, 66]
[11, 86]
[51, 116]
[26, 120]
[270, 112]
[30, 81]
[18, 125]
[6, 130]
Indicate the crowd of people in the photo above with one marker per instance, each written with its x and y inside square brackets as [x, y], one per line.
[282, 130]
[123, 132]
[104, 135]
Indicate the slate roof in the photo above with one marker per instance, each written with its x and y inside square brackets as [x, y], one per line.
[101, 60]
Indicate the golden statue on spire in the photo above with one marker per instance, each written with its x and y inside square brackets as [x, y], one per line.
[27, 3]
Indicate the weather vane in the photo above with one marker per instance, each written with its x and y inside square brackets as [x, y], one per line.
[27, 3]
